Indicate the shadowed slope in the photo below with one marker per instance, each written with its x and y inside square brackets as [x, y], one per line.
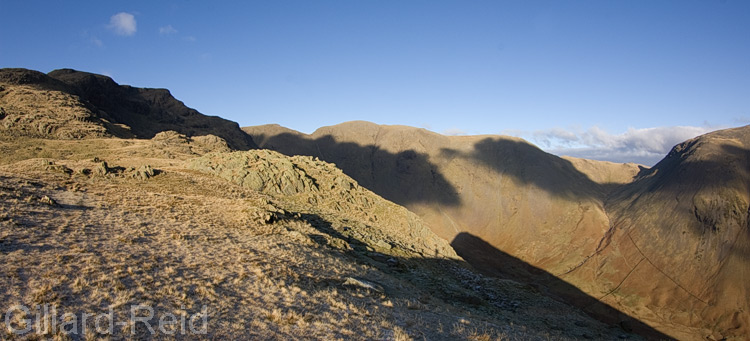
[411, 177]
[493, 262]
[73, 104]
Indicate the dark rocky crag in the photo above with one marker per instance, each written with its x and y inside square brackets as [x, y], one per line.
[73, 104]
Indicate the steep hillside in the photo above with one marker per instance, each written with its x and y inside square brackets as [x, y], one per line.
[533, 205]
[256, 244]
[33, 104]
[677, 252]
[73, 104]
[659, 245]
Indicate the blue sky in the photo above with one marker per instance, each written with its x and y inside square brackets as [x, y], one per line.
[616, 80]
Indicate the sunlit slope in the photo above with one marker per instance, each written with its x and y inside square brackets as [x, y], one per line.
[536, 206]
[274, 247]
[666, 245]
[678, 251]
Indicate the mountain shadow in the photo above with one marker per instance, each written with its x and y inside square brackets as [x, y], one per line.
[406, 177]
[394, 169]
[529, 165]
[448, 283]
[493, 262]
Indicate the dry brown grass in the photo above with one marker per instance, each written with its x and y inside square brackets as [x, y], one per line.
[183, 240]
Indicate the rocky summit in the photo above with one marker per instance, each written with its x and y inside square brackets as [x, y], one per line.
[69, 104]
[123, 201]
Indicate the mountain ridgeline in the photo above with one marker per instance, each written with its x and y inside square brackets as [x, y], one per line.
[667, 246]
[73, 104]
[94, 213]
[661, 251]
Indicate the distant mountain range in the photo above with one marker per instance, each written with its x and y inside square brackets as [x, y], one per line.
[660, 251]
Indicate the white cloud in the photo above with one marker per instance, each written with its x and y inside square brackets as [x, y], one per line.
[167, 30]
[123, 24]
[645, 146]
[551, 137]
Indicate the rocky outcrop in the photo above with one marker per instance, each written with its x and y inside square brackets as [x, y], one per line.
[71, 104]
[35, 105]
[309, 182]
[170, 142]
[258, 171]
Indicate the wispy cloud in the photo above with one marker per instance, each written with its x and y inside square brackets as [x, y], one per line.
[454, 132]
[90, 39]
[123, 24]
[96, 41]
[645, 146]
[167, 30]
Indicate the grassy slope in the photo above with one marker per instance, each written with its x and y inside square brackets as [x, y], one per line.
[266, 266]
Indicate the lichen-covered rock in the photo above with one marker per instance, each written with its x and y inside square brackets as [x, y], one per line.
[209, 143]
[52, 167]
[170, 137]
[101, 168]
[33, 112]
[48, 201]
[144, 172]
[172, 141]
[308, 182]
[263, 171]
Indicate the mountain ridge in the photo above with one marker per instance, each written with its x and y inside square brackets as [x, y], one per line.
[614, 215]
[272, 246]
[103, 108]
[661, 251]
